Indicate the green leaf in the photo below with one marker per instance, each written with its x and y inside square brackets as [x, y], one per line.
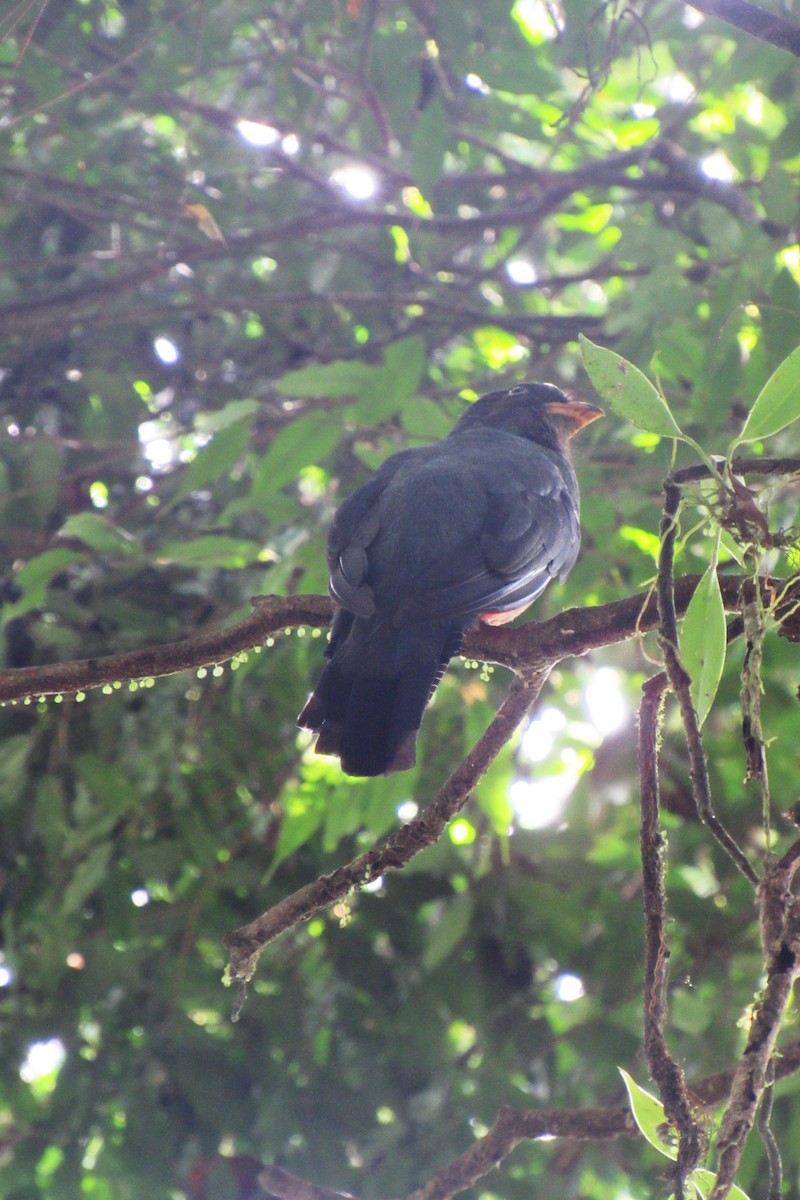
[303, 816]
[233, 412]
[429, 143]
[98, 533]
[778, 195]
[14, 753]
[732, 546]
[627, 391]
[214, 460]
[777, 404]
[448, 930]
[703, 642]
[423, 418]
[648, 1113]
[303, 443]
[35, 578]
[345, 377]
[88, 876]
[210, 551]
[396, 381]
[704, 1181]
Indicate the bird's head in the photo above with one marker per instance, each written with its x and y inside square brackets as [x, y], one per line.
[538, 411]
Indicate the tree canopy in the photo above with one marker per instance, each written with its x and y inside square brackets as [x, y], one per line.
[250, 250]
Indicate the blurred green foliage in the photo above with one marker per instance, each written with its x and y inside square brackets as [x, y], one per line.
[417, 203]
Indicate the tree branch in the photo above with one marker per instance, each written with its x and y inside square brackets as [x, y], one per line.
[780, 925]
[513, 1126]
[663, 1067]
[766, 26]
[272, 615]
[535, 646]
[680, 683]
[246, 944]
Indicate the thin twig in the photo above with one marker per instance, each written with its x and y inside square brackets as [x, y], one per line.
[768, 1139]
[780, 927]
[663, 1067]
[247, 943]
[680, 683]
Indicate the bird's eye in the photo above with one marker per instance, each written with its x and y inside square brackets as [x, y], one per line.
[520, 390]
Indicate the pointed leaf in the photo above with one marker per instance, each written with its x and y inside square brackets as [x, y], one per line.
[231, 414]
[703, 642]
[211, 551]
[303, 443]
[214, 460]
[648, 1113]
[628, 392]
[394, 383]
[98, 533]
[36, 576]
[429, 144]
[777, 404]
[88, 876]
[448, 931]
[345, 377]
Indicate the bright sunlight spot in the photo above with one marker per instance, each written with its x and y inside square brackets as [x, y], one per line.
[157, 449]
[43, 1058]
[718, 166]
[754, 108]
[476, 84]
[519, 270]
[538, 803]
[256, 133]
[568, 987]
[360, 182]
[166, 350]
[6, 975]
[140, 897]
[679, 88]
[539, 738]
[608, 709]
[462, 832]
[537, 20]
[691, 18]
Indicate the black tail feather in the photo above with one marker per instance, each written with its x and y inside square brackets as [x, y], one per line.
[371, 721]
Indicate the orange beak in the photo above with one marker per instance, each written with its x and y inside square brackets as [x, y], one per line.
[575, 414]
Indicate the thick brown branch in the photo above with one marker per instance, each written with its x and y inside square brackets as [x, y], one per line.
[272, 614]
[536, 646]
[539, 644]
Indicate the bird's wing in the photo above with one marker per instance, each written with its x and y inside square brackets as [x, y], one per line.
[352, 531]
[530, 535]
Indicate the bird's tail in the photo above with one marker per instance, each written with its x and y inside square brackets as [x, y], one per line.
[367, 712]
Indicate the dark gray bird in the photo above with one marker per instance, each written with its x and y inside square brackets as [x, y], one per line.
[471, 528]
